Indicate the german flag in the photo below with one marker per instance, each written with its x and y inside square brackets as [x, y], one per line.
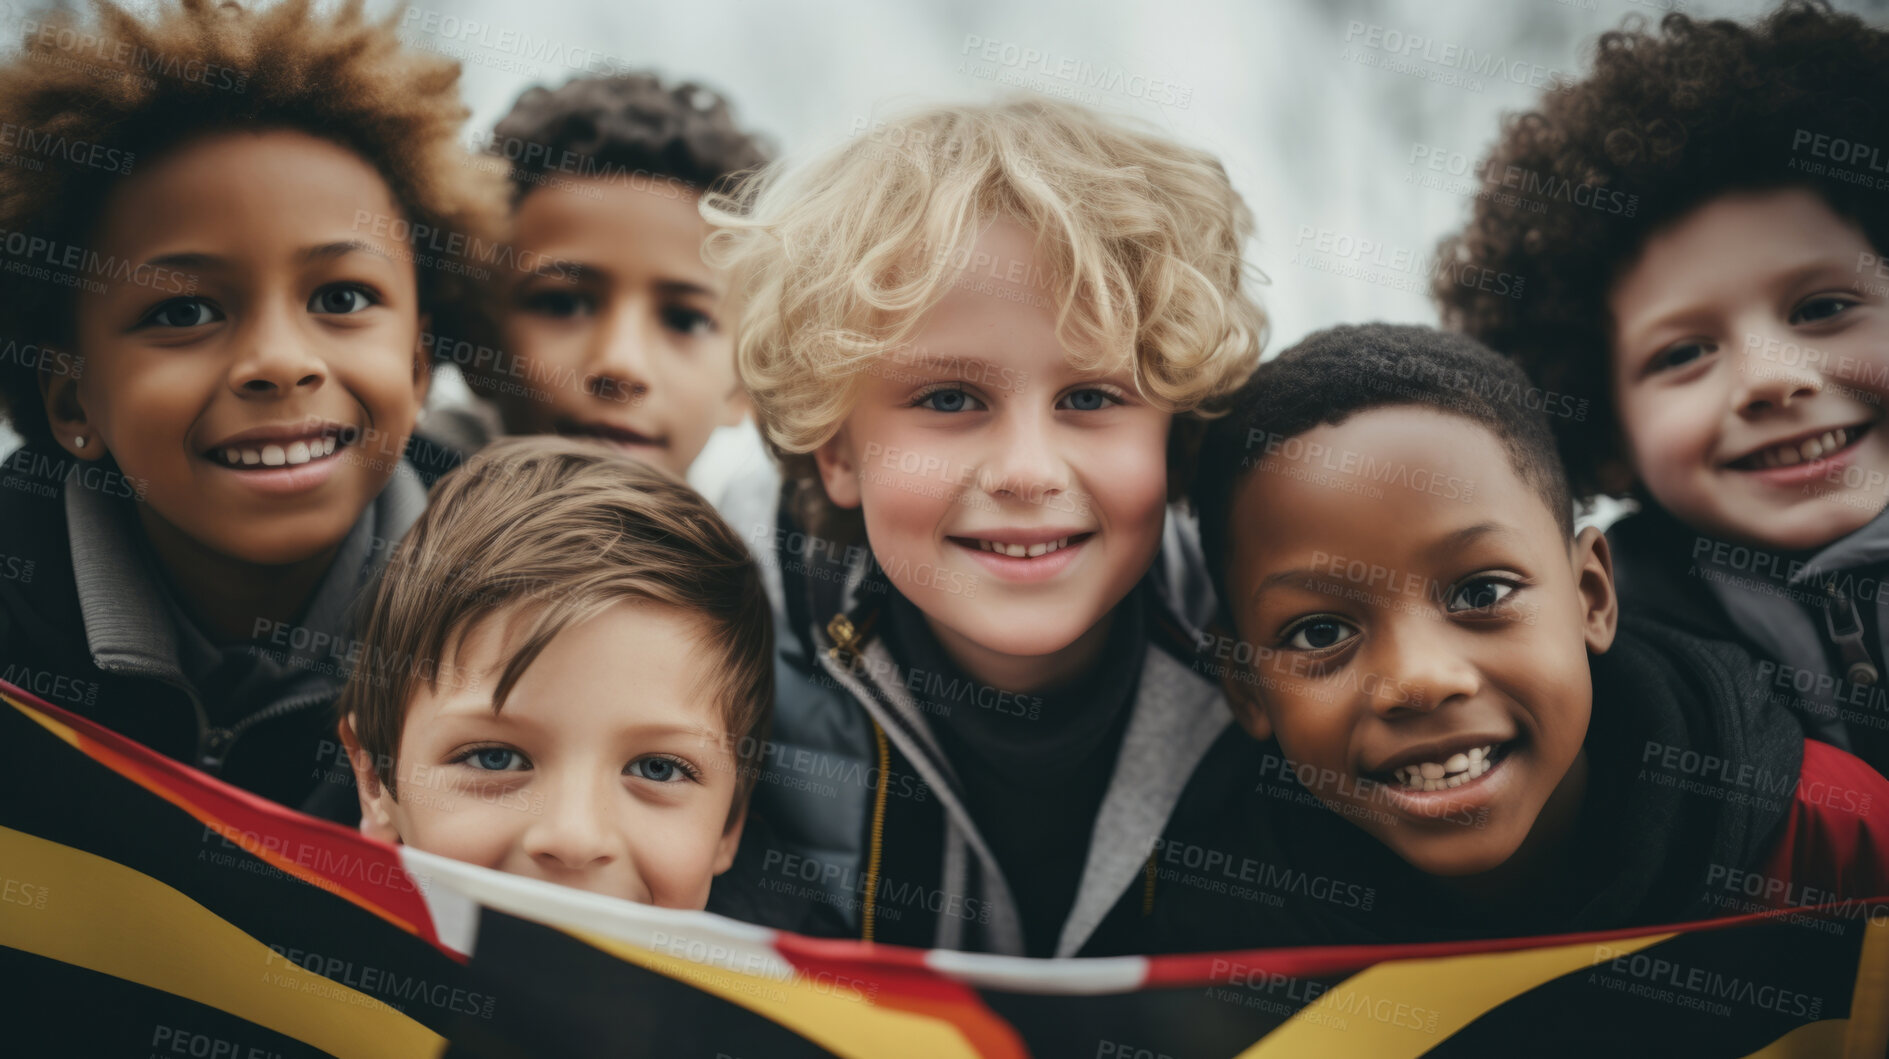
[149, 910]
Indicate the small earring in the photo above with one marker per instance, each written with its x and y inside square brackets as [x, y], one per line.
[80, 441]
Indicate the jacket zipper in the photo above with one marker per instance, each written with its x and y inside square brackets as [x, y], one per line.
[213, 743]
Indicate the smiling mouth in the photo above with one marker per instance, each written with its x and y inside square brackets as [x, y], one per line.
[1021, 551]
[1802, 450]
[257, 456]
[1453, 771]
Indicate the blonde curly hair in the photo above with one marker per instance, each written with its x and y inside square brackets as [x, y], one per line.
[838, 260]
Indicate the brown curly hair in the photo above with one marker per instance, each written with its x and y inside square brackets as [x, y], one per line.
[129, 89]
[1667, 120]
[625, 124]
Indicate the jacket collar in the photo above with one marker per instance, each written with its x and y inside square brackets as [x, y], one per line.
[128, 624]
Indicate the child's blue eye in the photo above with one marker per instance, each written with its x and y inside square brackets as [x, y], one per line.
[496, 759]
[1319, 633]
[1091, 400]
[659, 768]
[685, 321]
[1817, 310]
[560, 303]
[1481, 593]
[950, 399]
[181, 312]
[341, 299]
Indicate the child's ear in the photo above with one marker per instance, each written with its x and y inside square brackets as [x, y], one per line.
[1594, 576]
[1241, 686]
[730, 841]
[838, 471]
[377, 803]
[59, 393]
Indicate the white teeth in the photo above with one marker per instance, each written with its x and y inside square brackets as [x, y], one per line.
[297, 452]
[1022, 551]
[1787, 456]
[251, 457]
[328, 445]
[232, 455]
[274, 456]
[1811, 449]
[1454, 772]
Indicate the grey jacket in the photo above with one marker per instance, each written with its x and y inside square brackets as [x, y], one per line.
[808, 863]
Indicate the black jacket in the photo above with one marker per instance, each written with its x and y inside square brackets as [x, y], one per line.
[122, 669]
[1818, 622]
[1688, 767]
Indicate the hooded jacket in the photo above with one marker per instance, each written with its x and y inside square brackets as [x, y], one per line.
[1696, 785]
[1817, 622]
[861, 825]
[88, 622]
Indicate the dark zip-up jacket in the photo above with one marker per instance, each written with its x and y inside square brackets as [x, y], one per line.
[1818, 622]
[1695, 786]
[88, 623]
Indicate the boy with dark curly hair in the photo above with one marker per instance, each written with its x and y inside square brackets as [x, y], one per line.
[1455, 718]
[610, 326]
[1731, 330]
[212, 309]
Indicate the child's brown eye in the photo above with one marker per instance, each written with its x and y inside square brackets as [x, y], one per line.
[691, 322]
[1317, 634]
[340, 300]
[1819, 309]
[1480, 594]
[181, 312]
[1676, 356]
[558, 303]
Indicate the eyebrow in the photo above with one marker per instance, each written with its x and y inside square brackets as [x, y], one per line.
[1789, 278]
[320, 252]
[1463, 538]
[1312, 580]
[1298, 577]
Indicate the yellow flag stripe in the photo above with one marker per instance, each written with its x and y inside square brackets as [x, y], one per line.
[837, 1015]
[105, 917]
[1869, 1004]
[1403, 1008]
[1812, 1040]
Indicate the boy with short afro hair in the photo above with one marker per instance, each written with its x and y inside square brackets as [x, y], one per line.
[214, 354]
[568, 674]
[610, 325]
[1460, 738]
[976, 337]
[1727, 324]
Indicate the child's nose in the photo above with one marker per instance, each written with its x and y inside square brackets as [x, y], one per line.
[620, 355]
[1025, 462]
[1418, 669]
[272, 358]
[575, 829]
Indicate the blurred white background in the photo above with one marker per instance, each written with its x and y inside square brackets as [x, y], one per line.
[1327, 114]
